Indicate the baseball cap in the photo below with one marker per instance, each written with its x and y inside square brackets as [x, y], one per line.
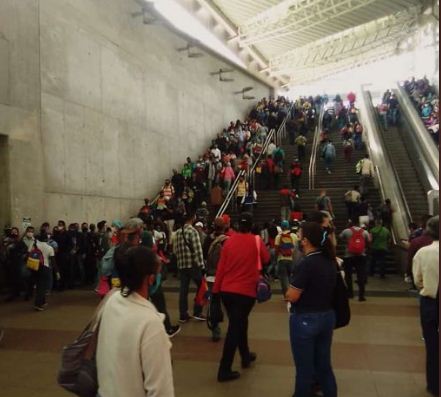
[133, 225]
[246, 219]
[284, 225]
[199, 224]
[117, 223]
[226, 218]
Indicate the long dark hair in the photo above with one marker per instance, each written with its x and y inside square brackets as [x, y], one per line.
[318, 237]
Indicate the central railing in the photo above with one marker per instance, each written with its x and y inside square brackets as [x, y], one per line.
[315, 144]
[278, 137]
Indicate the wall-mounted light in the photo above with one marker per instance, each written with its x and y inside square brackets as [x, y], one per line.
[243, 91]
[221, 73]
[190, 53]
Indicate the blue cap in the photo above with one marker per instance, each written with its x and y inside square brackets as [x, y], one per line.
[285, 225]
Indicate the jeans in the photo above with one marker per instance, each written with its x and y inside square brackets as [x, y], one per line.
[311, 339]
[430, 325]
[359, 263]
[158, 299]
[238, 308]
[186, 275]
[273, 263]
[284, 269]
[393, 116]
[358, 143]
[352, 209]
[284, 213]
[216, 331]
[378, 259]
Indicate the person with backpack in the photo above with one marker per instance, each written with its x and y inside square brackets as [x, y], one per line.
[323, 203]
[328, 154]
[278, 156]
[301, 147]
[39, 261]
[380, 242]
[352, 198]
[133, 350]
[365, 168]
[296, 174]
[285, 202]
[357, 240]
[285, 246]
[212, 250]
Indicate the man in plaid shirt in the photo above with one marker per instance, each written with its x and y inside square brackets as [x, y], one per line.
[188, 250]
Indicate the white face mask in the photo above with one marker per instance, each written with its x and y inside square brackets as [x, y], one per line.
[29, 234]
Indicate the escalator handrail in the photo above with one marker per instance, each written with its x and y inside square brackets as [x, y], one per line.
[315, 143]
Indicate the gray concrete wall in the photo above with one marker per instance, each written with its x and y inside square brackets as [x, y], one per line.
[100, 107]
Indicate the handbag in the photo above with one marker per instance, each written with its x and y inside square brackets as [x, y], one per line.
[78, 372]
[341, 303]
[263, 287]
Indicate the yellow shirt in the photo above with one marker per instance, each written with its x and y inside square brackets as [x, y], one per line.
[294, 241]
[425, 268]
[242, 189]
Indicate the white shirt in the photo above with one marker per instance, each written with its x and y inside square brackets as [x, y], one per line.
[367, 167]
[46, 250]
[133, 352]
[216, 153]
[271, 148]
[425, 268]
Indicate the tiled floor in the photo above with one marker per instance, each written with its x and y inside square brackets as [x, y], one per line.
[379, 355]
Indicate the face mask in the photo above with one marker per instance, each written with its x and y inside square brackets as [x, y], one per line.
[29, 235]
[154, 287]
[84, 229]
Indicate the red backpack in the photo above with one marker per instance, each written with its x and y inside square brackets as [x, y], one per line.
[356, 243]
[296, 171]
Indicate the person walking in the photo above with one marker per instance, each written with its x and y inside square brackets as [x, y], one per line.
[301, 147]
[357, 240]
[296, 174]
[285, 246]
[380, 243]
[324, 203]
[236, 278]
[188, 250]
[312, 318]
[365, 168]
[328, 154]
[426, 276]
[352, 198]
[241, 191]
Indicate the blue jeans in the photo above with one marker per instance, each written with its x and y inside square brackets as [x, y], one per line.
[284, 270]
[311, 338]
[328, 162]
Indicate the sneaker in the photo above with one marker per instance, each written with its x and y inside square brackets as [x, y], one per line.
[174, 330]
[39, 308]
[199, 317]
[184, 320]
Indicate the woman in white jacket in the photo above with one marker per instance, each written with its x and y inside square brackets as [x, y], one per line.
[133, 352]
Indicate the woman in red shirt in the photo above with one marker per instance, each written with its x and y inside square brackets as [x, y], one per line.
[236, 279]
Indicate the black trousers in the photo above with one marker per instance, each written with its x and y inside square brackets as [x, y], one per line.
[238, 308]
[158, 299]
[357, 264]
[430, 324]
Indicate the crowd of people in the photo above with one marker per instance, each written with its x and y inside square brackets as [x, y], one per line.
[178, 233]
[426, 101]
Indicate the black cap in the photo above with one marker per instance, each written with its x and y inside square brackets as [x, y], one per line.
[246, 219]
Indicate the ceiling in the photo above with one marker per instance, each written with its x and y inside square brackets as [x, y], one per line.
[299, 41]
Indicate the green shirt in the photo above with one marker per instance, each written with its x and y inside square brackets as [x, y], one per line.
[380, 238]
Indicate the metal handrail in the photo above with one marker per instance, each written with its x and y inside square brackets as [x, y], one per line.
[315, 143]
[251, 174]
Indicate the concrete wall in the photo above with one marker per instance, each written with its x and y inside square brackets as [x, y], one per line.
[99, 107]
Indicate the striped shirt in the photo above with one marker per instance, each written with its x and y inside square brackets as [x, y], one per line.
[184, 255]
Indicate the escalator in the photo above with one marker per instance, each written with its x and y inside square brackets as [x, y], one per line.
[397, 144]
